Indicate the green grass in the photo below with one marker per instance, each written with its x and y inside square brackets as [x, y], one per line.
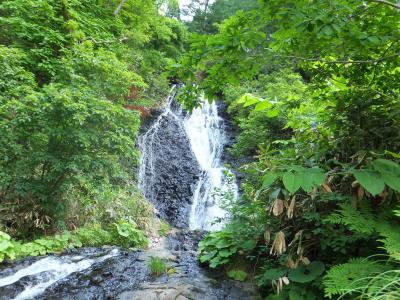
[157, 266]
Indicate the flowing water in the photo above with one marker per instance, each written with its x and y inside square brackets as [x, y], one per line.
[182, 173]
[32, 280]
[203, 130]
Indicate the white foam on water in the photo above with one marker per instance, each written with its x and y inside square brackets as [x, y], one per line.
[205, 129]
[49, 270]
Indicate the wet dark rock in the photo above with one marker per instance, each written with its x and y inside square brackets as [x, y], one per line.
[167, 150]
[102, 280]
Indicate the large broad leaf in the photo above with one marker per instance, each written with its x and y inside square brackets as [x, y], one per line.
[318, 177]
[390, 172]
[274, 274]
[263, 105]
[386, 166]
[272, 113]
[371, 180]
[269, 179]
[312, 178]
[248, 99]
[392, 181]
[307, 182]
[292, 181]
[304, 274]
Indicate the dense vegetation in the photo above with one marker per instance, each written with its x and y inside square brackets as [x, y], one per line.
[314, 89]
[74, 77]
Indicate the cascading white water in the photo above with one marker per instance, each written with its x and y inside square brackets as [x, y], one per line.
[205, 129]
[164, 165]
[49, 270]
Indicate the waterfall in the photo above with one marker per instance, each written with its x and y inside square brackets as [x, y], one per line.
[197, 140]
[205, 129]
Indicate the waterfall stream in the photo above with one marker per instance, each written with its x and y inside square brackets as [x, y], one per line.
[203, 131]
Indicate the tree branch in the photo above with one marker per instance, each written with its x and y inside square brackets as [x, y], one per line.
[386, 3]
[116, 11]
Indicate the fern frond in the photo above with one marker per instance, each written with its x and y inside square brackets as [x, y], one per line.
[391, 243]
[362, 221]
[351, 276]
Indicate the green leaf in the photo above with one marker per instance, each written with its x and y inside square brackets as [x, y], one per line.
[225, 253]
[263, 105]
[272, 113]
[307, 182]
[208, 256]
[386, 166]
[292, 181]
[370, 180]
[273, 274]
[269, 179]
[224, 243]
[374, 40]
[318, 177]
[392, 181]
[395, 155]
[251, 101]
[238, 275]
[304, 274]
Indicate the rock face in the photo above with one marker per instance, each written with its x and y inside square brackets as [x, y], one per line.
[169, 170]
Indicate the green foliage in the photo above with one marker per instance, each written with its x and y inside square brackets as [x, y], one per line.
[157, 266]
[383, 172]
[307, 273]
[123, 234]
[344, 277]
[218, 248]
[312, 89]
[94, 235]
[164, 228]
[237, 275]
[6, 247]
[67, 71]
[127, 235]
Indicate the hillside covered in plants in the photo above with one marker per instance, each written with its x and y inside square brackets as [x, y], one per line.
[308, 90]
[313, 87]
[75, 78]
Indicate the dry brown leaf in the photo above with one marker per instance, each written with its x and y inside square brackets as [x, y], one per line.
[355, 184]
[326, 187]
[277, 207]
[290, 210]
[290, 264]
[267, 236]
[305, 260]
[360, 193]
[279, 244]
